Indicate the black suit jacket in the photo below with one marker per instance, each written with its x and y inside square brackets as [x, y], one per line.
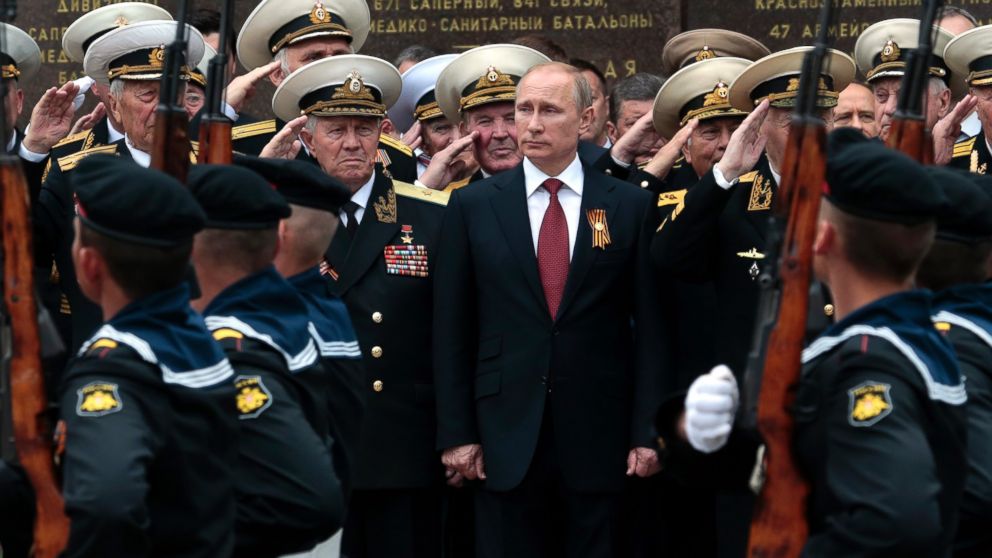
[500, 357]
[392, 317]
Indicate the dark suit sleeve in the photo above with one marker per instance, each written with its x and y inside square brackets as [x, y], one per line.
[105, 482]
[651, 338]
[882, 476]
[685, 245]
[455, 338]
[54, 200]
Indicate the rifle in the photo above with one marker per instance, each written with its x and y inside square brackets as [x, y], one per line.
[28, 405]
[215, 127]
[778, 528]
[170, 152]
[908, 132]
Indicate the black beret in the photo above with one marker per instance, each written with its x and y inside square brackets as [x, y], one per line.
[124, 201]
[301, 183]
[867, 179]
[236, 198]
[967, 216]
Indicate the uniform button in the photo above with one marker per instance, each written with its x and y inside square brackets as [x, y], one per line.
[377, 317]
[644, 184]
[828, 310]
[377, 386]
[376, 351]
[609, 172]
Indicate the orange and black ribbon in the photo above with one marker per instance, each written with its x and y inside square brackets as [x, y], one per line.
[600, 232]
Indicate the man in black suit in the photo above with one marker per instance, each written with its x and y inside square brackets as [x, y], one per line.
[380, 262]
[548, 348]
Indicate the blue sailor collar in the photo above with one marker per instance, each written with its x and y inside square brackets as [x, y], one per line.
[330, 324]
[264, 307]
[902, 319]
[967, 306]
[163, 330]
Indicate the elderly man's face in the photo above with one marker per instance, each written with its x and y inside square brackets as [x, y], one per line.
[856, 109]
[496, 147]
[709, 142]
[345, 147]
[194, 99]
[628, 113]
[304, 52]
[984, 95]
[135, 110]
[886, 91]
[548, 118]
[438, 133]
[13, 104]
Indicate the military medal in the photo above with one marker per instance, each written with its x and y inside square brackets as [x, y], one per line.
[406, 259]
[753, 254]
[600, 232]
[407, 236]
[326, 269]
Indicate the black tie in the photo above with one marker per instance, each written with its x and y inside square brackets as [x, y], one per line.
[351, 226]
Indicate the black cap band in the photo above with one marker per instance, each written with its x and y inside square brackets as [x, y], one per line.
[319, 22]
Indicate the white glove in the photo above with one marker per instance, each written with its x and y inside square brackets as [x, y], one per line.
[710, 406]
[84, 84]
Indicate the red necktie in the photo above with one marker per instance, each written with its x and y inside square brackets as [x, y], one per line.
[552, 248]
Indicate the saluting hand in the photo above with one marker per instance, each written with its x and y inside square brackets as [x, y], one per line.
[447, 163]
[286, 144]
[746, 145]
[412, 136]
[948, 129]
[665, 158]
[241, 88]
[641, 138]
[51, 118]
[643, 462]
[87, 121]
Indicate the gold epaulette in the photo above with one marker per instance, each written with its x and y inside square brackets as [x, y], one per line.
[457, 184]
[678, 163]
[194, 151]
[396, 144]
[80, 136]
[749, 177]
[671, 198]
[253, 129]
[423, 194]
[70, 162]
[964, 148]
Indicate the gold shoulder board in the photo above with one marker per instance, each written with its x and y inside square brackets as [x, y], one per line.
[964, 148]
[423, 194]
[80, 136]
[253, 129]
[70, 162]
[749, 177]
[671, 198]
[396, 144]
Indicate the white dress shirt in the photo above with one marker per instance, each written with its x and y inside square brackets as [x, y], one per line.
[722, 182]
[361, 197]
[112, 133]
[140, 157]
[421, 168]
[570, 197]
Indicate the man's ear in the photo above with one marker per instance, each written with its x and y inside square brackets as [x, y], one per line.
[826, 237]
[277, 76]
[307, 138]
[944, 105]
[586, 119]
[114, 107]
[611, 131]
[686, 153]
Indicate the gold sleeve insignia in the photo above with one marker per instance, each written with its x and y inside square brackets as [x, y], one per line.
[870, 402]
[253, 129]
[406, 190]
[396, 144]
[253, 398]
[98, 399]
[227, 333]
[671, 198]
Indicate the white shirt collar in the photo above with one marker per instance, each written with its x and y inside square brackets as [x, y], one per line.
[607, 143]
[12, 142]
[361, 197]
[112, 133]
[572, 176]
[775, 175]
[140, 157]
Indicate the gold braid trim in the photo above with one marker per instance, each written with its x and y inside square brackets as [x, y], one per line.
[489, 94]
[335, 29]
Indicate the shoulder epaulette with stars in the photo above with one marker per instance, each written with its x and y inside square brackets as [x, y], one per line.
[423, 194]
[396, 144]
[253, 129]
[70, 162]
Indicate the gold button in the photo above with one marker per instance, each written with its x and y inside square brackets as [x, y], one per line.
[828, 310]
[377, 317]
[377, 386]
[376, 352]
[599, 227]
[609, 172]
[644, 184]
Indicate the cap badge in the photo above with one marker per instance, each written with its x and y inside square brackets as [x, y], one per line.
[121, 21]
[355, 82]
[319, 14]
[157, 56]
[492, 75]
[794, 85]
[705, 54]
[890, 52]
[718, 96]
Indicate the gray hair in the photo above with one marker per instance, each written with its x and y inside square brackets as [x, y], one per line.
[415, 53]
[937, 86]
[313, 120]
[951, 11]
[282, 55]
[581, 91]
[638, 87]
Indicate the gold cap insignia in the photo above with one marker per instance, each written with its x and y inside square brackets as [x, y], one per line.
[492, 75]
[718, 96]
[705, 54]
[890, 52]
[157, 56]
[252, 398]
[869, 403]
[98, 399]
[355, 83]
[121, 21]
[319, 14]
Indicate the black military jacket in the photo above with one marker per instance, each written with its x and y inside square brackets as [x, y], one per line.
[880, 433]
[385, 277]
[151, 436]
[972, 155]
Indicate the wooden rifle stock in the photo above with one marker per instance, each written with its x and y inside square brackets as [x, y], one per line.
[171, 149]
[779, 529]
[910, 136]
[215, 141]
[28, 401]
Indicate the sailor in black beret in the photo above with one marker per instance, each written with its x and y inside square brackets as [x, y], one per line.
[151, 361]
[316, 199]
[292, 499]
[958, 268]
